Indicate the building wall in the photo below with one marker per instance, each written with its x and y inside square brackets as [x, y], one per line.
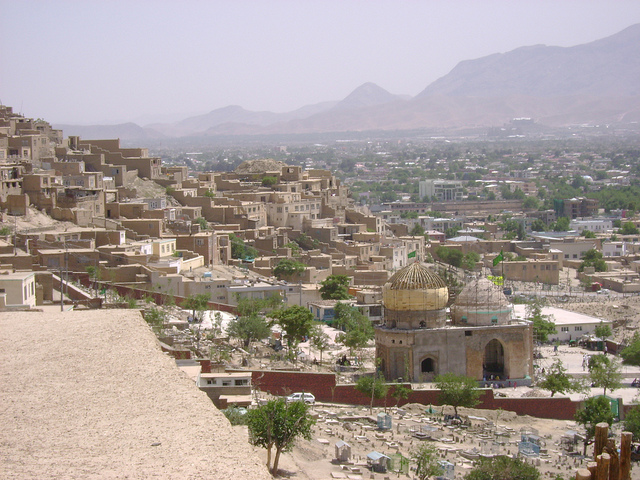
[323, 386]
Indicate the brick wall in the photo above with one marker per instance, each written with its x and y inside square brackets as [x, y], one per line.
[323, 387]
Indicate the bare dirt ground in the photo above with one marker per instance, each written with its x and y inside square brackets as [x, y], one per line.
[89, 394]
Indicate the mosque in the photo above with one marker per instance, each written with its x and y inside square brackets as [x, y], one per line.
[416, 341]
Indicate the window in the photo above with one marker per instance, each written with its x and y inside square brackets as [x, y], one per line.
[494, 320]
[578, 328]
[564, 329]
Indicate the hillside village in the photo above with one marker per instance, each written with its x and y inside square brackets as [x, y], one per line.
[90, 224]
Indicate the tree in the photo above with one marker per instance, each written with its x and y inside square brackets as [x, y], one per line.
[469, 260]
[502, 468]
[628, 228]
[269, 181]
[604, 372]
[278, 424]
[400, 392]
[593, 258]
[296, 321]
[156, 318]
[631, 353]
[319, 339]
[457, 391]
[196, 303]
[561, 225]
[248, 328]
[335, 287]
[556, 380]
[588, 234]
[449, 255]
[632, 422]
[603, 331]
[542, 325]
[204, 225]
[417, 230]
[288, 267]
[530, 203]
[596, 410]
[241, 251]
[426, 458]
[357, 328]
[538, 225]
[372, 386]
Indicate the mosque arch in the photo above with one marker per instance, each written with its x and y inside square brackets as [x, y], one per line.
[493, 362]
[428, 365]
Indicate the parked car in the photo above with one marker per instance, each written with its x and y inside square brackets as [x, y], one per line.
[302, 397]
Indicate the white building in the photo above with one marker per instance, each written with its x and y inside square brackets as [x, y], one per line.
[443, 190]
[18, 289]
[596, 225]
[570, 325]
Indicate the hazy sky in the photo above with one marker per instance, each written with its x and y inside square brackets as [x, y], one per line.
[107, 61]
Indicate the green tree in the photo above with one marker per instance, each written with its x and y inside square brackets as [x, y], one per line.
[210, 194]
[631, 353]
[278, 424]
[156, 318]
[595, 410]
[249, 328]
[542, 325]
[449, 255]
[556, 380]
[604, 372]
[417, 230]
[502, 468]
[357, 328]
[235, 415]
[632, 422]
[400, 392]
[538, 225]
[469, 260]
[296, 321]
[603, 331]
[531, 203]
[588, 234]
[628, 228]
[593, 258]
[426, 458]
[240, 250]
[372, 386]
[335, 287]
[457, 391]
[4, 231]
[197, 304]
[204, 225]
[269, 181]
[287, 267]
[319, 339]
[561, 225]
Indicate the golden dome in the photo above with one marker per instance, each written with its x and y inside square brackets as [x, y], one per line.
[415, 276]
[415, 288]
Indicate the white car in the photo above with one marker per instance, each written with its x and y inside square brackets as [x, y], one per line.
[302, 397]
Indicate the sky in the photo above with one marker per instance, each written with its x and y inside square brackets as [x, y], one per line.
[111, 61]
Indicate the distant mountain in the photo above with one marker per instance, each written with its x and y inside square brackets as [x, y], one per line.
[123, 131]
[366, 95]
[609, 67]
[594, 83]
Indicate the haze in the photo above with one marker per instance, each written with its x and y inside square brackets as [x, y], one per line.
[89, 62]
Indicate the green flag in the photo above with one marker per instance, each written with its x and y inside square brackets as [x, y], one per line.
[498, 259]
[412, 254]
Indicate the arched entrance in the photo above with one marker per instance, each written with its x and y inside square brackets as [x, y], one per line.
[428, 365]
[493, 361]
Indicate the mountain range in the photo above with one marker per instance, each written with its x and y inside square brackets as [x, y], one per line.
[593, 83]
